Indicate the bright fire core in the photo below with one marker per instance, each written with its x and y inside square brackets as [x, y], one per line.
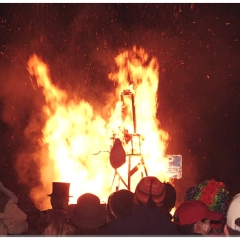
[74, 132]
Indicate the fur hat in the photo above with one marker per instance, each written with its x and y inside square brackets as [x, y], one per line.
[88, 213]
[150, 188]
[60, 190]
[120, 203]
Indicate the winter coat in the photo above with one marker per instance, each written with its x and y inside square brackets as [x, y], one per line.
[12, 219]
[143, 220]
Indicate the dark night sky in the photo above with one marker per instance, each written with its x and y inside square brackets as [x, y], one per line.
[197, 46]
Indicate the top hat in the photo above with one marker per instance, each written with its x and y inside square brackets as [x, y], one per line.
[60, 190]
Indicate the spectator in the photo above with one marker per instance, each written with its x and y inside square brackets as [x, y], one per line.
[170, 198]
[150, 188]
[193, 217]
[59, 224]
[59, 199]
[88, 215]
[232, 226]
[215, 195]
[12, 219]
[120, 204]
[146, 218]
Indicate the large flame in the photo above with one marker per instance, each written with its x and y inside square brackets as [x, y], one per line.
[74, 132]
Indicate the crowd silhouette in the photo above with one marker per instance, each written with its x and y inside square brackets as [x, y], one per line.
[206, 210]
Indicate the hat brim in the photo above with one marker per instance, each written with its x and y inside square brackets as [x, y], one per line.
[81, 219]
[50, 195]
[214, 216]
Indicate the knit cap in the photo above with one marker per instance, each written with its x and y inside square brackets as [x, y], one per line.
[150, 188]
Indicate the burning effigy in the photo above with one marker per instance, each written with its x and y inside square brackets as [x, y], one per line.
[76, 140]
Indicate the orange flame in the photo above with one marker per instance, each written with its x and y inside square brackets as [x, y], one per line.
[74, 131]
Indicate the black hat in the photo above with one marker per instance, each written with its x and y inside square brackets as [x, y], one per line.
[60, 190]
[120, 203]
[88, 213]
[171, 196]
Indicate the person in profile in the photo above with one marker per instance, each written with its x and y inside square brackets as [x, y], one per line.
[193, 217]
[59, 199]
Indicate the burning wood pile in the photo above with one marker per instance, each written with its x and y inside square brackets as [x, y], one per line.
[74, 131]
